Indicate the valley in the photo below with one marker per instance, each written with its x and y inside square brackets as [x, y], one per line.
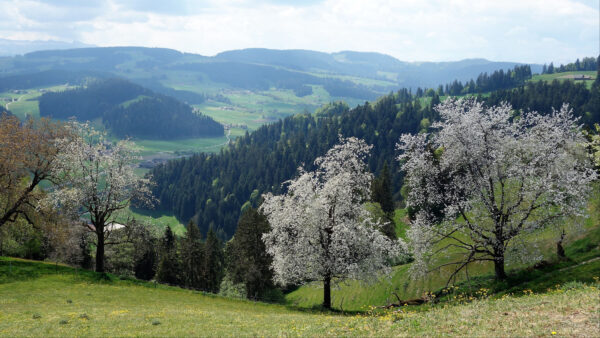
[233, 148]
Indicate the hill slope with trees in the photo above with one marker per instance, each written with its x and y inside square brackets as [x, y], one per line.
[129, 110]
[213, 189]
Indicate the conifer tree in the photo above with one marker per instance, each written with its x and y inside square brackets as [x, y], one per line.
[381, 191]
[168, 267]
[248, 261]
[213, 262]
[192, 256]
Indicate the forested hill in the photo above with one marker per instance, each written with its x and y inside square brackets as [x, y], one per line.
[129, 110]
[213, 189]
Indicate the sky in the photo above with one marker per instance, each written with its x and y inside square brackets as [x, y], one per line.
[531, 31]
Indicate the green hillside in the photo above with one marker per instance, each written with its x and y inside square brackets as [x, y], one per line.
[43, 299]
[567, 76]
[582, 249]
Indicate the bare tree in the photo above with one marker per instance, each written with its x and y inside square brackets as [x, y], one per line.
[489, 176]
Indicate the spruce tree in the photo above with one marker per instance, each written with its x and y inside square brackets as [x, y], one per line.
[247, 259]
[192, 257]
[168, 266]
[381, 190]
[213, 262]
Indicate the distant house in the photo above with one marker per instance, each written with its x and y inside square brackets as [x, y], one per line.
[109, 227]
[582, 77]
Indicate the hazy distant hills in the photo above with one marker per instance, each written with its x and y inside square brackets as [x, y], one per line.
[357, 75]
[19, 47]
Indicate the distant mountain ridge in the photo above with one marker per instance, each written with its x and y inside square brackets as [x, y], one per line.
[156, 64]
[20, 47]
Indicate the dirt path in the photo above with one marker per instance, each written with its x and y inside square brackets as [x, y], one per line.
[8, 104]
[580, 264]
[221, 144]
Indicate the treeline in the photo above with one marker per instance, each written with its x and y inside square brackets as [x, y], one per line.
[129, 110]
[47, 78]
[542, 96]
[587, 63]
[485, 82]
[213, 189]
[240, 267]
[159, 117]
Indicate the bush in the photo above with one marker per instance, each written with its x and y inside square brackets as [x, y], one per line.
[229, 289]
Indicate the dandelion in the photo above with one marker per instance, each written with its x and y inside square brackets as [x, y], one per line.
[553, 332]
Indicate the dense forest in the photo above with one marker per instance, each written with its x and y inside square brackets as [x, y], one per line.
[499, 79]
[214, 189]
[129, 110]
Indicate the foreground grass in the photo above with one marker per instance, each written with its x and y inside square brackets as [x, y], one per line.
[39, 299]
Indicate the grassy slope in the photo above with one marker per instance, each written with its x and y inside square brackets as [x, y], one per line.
[564, 77]
[40, 299]
[582, 244]
[158, 219]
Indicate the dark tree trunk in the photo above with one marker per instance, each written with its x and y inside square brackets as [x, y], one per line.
[100, 249]
[499, 268]
[560, 251]
[327, 292]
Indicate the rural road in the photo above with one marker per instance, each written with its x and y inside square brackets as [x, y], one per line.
[8, 104]
[221, 144]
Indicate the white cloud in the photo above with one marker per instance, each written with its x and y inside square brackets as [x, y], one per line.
[515, 30]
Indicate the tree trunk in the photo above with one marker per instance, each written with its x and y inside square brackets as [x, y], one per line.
[560, 251]
[499, 268]
[327, 292]
[100, 249]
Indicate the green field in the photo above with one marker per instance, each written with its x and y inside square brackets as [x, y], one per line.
[44, 299]
[566, 77]
[23, 103]
[155, 218]
[180, 147]
[253, 109]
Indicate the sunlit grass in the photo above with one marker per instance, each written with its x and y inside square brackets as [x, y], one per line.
[565, 77]
[155, 218]
[39, 299]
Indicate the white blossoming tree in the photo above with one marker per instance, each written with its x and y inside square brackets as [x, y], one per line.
[486, 177]
[97, 179]
[320, 229]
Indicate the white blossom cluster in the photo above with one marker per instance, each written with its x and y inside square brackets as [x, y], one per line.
[489, 175]
[96, 176]
[320, 229]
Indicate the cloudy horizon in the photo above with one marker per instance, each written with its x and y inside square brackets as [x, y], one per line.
[529, 31]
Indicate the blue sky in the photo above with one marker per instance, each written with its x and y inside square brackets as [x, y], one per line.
[410, 30]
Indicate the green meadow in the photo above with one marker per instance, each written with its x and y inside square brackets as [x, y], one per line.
[566, 76]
